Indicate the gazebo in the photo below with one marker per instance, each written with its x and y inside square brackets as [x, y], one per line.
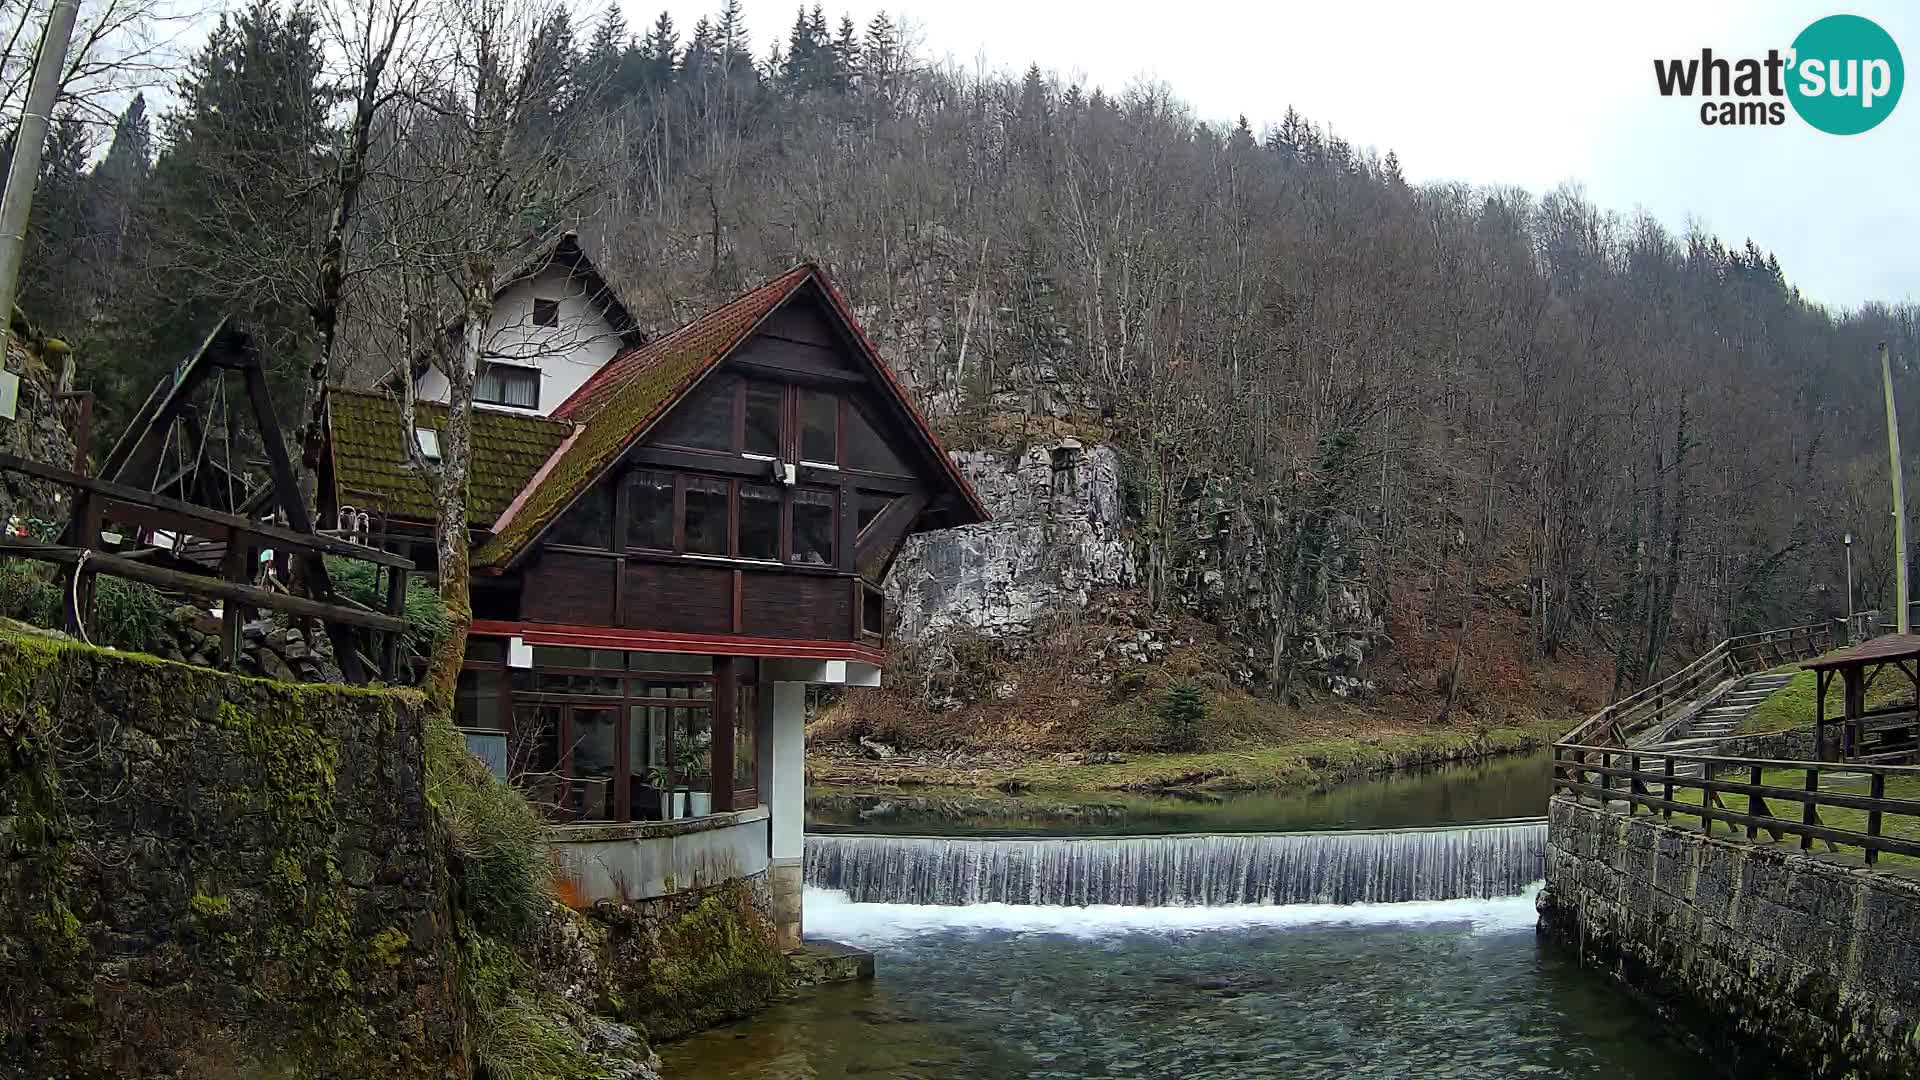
[1882, 734]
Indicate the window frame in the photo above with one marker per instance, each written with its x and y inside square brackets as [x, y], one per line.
[532, 373]
[550, 306]
[509, 701]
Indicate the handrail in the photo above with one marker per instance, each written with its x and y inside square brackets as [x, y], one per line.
[1675, 696]
[1575, 767]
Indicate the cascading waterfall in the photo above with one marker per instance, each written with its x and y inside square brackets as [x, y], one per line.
[1473, 861]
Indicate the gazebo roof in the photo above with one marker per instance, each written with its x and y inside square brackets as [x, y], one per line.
[1886, 649]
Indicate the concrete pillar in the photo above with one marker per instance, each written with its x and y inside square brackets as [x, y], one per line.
[783, 771]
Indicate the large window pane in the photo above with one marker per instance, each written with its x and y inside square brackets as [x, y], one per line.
[706, 421]
[693, 758]
[706, 516]
[533, 756]
[650, 510]
[477, 701]
[589, 522]
[746, 761]
[765, 402]
[819, 426]
[813, 527]
[759, 521]
[504, 384]
[647, 761]
[594, 750]
[866, 450]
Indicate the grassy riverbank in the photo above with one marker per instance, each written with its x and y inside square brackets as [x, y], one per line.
[1310, 762]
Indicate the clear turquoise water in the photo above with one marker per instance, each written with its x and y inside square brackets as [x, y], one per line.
[1442, 989]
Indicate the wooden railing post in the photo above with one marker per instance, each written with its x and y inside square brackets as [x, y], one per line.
[1666, 812]
[1706, 797]
[1756, 806]
[1877, 790]
[1808, 812]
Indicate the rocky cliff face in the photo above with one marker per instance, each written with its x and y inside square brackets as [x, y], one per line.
[36, 433]
[1057, 536]
[1061, 535]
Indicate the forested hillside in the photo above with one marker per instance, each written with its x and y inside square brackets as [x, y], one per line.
[1523, 409]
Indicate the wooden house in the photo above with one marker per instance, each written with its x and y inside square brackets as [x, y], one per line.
[664, 558]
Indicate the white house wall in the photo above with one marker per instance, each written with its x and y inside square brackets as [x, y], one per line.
[567, 354]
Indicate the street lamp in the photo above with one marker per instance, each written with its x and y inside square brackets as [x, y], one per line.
[1847, 540]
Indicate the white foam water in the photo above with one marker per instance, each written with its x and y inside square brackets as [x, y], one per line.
[830, 914]
[1293, 869]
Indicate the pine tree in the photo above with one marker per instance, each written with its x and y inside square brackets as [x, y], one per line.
[660, 53]
[233, 217]
[550, 65]
[1182, 712]
[1394, 176]
[703, 52]
[599, 81]
[113, 191]
[730, 39]
[879, 57]
[54, 271]
[846, 56]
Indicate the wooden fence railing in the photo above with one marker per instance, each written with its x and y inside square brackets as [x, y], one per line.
[1675, 697]
[97, 503]
[1657, 781]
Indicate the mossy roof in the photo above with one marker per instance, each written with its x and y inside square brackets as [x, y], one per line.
[625, 398]
[371, 470]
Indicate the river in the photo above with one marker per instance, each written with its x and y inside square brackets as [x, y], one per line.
[1171, 986]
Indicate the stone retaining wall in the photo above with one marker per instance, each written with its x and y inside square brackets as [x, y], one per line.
[209, 876]
[1790, 964]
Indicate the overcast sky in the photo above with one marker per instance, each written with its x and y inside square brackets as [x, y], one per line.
[1531, 94]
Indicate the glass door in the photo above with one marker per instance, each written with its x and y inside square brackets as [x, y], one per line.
[596, 748]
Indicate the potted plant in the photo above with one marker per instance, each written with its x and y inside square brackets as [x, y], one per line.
[673, 804]
[695, 761]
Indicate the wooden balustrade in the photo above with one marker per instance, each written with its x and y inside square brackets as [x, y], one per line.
[1678, 695]
[1613, 776]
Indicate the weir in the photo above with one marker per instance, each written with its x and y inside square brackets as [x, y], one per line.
[1387, 866]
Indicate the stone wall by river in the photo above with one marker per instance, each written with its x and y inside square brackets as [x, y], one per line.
[1774, 953]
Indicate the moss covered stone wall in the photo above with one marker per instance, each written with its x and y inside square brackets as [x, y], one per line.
[207, 875]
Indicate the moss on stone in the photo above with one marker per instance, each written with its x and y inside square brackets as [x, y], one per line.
[688, 962]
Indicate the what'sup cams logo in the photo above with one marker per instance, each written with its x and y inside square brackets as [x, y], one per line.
[1843, 75]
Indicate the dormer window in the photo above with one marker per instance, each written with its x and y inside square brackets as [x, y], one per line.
[507, 384]
[546, 312]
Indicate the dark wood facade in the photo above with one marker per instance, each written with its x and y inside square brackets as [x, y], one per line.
[752, 522]
[757, 508]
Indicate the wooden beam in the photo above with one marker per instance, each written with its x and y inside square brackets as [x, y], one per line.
[200, 514]
[133, 570]
[886, 531]
[136, 457]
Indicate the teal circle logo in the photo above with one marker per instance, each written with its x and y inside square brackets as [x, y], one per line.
[1846, 76]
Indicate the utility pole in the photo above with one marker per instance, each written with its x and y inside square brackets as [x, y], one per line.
[1903, 621]
[24, 173]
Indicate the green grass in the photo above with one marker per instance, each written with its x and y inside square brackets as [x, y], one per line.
[1791, 706]
[1833, 817]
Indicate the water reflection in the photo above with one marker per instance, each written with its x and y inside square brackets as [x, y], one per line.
[1504, 788]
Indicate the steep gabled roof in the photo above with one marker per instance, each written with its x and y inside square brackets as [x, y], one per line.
[370, 468]
[636, 388]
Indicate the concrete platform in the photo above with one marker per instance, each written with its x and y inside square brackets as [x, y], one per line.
[819, 962]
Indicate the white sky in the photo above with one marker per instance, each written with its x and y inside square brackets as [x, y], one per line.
[1531, 94]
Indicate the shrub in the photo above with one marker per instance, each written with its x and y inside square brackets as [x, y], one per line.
[1182, 710]
[126, 614]
[499, 840]
[426, 616]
